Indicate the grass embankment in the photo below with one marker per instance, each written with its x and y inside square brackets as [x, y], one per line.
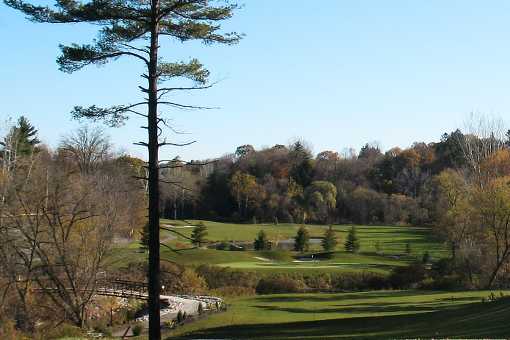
[364, 315]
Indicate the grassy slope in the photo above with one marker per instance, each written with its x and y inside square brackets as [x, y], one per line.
[392, 241]
[366, 315]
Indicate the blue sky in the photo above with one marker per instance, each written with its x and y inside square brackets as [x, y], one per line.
[337, 73]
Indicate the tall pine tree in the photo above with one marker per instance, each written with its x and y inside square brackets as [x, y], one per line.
[352, 243]
[21, 139]
[302, 240]
[198, 234]
[261, 242]
[329, 241]
[126, 28]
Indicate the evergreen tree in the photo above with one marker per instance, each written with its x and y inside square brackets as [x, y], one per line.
[21, 139]
[352, 243]
[136, 29]
[261, 242]
[302, 240]
[198, 234]
[329, 241]
[180, 316]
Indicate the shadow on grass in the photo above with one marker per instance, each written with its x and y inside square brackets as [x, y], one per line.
[346, 296]
[471, 321]
[354, 309]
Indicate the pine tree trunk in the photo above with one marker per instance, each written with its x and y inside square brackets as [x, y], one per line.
[154, 271]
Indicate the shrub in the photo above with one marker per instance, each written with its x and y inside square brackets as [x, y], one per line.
[261, 242]
[279, 284]
[233, 291]
[320, 282]
[406, 277]
[137, 329]
[101, 327]
[8, 330]
[448, 282]
[443, 266]
[64, 331]
[218, 277]
[180, 317]
[192, 282]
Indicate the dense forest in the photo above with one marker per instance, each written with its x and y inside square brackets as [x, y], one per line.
[290, 184]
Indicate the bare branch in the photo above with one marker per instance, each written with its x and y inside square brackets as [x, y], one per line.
[182, 106]
[177, 144]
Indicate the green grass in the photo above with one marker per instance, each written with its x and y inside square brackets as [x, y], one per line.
[365, 315]
[392, 241]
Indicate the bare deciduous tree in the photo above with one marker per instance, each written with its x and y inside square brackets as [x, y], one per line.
[87, 147]
[483, 136]
[58, 227]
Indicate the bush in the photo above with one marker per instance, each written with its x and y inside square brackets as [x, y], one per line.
[262, 242]
[279, 284]
[8, 330]
[180, 317]
[443, 267]
[218, 277]
[64, 331]
[448, 282]
[137, 329]
[233, 291]
[321, 282]
[103, 328]
[407, 277]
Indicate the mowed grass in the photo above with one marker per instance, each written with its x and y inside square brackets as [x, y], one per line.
[363, 315]
[391, 241]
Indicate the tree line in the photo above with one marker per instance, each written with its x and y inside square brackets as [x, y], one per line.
[459, 186]
[290, 184]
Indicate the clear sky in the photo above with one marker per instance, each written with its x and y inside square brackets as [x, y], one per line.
[337, 73]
